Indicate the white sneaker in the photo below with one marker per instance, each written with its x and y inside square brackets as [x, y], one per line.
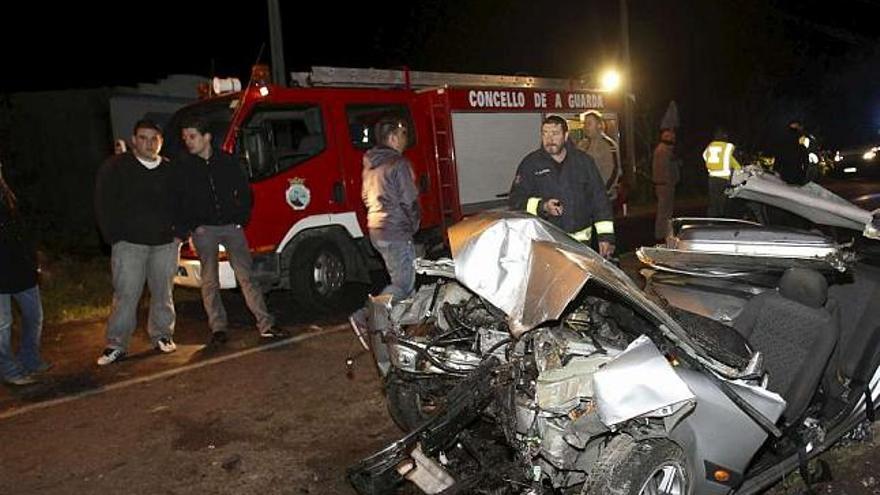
[274, 333]
[110, 355]
[166, 345]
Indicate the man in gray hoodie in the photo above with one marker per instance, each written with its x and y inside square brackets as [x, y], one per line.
[393, 216]
[392, 200]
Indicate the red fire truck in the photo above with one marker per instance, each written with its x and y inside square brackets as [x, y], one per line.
[302, 148]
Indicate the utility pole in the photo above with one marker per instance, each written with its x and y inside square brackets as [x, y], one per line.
[276, 44]
[628, 97]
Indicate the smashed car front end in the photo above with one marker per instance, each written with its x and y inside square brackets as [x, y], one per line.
[555, 351]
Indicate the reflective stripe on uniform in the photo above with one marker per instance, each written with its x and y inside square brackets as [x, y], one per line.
[582, 235]
[532, 205]
[725, 157]
[712, 157]
[711, 154]
[605, 227]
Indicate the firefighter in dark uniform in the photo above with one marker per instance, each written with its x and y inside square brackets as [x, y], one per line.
[562, 185]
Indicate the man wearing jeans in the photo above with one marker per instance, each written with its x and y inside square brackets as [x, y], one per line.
[135, 205]
[18, 266]
[393, 215]
[215, 207]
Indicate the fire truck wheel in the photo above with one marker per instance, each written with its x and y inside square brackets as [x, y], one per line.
[317, 274]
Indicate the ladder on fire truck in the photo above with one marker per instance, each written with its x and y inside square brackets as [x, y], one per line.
[384, 78]
[444, 157]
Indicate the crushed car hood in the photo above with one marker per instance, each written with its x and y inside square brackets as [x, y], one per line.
[524, 266]
[811, 201]
[531, 270]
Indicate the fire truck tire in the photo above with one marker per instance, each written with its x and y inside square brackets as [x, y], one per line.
[318, 274]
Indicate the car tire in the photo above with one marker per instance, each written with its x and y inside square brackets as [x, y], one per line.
[628, 467]
[318, 274]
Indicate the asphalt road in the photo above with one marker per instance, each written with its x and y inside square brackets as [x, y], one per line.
[252, 417]
[287, 420]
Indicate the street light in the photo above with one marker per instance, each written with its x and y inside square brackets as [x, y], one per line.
[629, 100]
[610, 80]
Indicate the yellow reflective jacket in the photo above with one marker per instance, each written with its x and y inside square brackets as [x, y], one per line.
[719, 159]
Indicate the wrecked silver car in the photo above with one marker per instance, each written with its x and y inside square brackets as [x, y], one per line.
[531, 365]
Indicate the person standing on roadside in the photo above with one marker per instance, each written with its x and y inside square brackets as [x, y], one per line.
[18, 282]
[135, 208]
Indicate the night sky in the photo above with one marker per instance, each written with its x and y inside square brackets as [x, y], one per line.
[749, 65]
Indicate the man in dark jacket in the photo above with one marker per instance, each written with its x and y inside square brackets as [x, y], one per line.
[392, 200]
[134, 205]
[793, 160]
[215, 207]
[562, 185]
[18, 282]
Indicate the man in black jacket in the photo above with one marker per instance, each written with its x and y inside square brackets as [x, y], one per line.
[134, 205]
[215, 207]
[18, 282]
[562, 185]
[793, 160]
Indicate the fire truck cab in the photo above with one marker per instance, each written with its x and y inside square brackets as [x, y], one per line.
[302, 148]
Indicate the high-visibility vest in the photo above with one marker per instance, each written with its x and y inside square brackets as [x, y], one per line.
[719, 158]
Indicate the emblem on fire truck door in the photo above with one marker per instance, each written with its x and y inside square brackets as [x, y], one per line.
[298, 196]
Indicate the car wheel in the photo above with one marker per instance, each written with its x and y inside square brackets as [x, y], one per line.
[318, 274]
[628, 467]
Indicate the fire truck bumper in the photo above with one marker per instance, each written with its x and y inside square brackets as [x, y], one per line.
[189, 274]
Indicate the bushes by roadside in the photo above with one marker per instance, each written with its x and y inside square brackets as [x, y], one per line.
[75, 287]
